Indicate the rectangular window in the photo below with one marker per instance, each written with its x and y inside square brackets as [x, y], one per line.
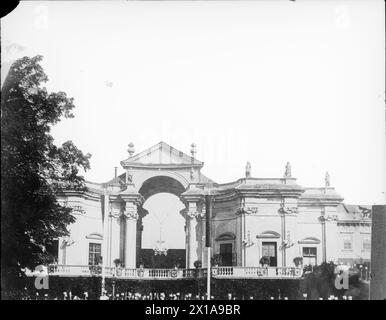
[366, 242]
[309, 252]
[269, 250]
[347, 242]
[226, 254]
[94, 254]
[309, 256]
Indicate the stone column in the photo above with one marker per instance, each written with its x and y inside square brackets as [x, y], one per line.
[322, 220]
[131, 216]
[132, 200]
[192, 198]
[141, 214]
[114, 239]
[122, 237]
[193, 238]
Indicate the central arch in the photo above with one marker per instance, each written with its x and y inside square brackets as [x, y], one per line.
[157, 191]
[162, 183]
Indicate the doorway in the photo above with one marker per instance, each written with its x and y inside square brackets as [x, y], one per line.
[226, 254]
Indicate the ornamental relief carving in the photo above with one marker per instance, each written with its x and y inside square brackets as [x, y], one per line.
[115, 214]
[195, 214]
[247, 210]
[77, 210]
[324, 218]
[131, 213]
[289, 210]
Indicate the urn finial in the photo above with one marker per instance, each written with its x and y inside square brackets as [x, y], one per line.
[193, 150]
[131, 149]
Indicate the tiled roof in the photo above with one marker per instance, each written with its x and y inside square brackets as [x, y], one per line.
[353, 211]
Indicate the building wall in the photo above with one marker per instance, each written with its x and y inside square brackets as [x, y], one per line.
[86, 229]
[310, 227]
[304, 229]
[378, 254]
[357, 253]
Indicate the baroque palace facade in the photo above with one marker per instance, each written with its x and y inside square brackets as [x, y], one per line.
[250, 218]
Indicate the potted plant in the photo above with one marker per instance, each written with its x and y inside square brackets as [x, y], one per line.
[216, 260]
[265, 261]
[117, 263]
[298, 261]
[197, 264]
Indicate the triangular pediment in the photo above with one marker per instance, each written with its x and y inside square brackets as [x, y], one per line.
[161, 154]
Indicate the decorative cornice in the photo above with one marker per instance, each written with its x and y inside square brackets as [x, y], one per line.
[160, 166]
[309, 240]
[131, 194]
[194, 193]
[88, 195]
[268, 235]
[270, 190]
[95, 236]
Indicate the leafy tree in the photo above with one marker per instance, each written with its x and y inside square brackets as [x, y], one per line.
[34, 171]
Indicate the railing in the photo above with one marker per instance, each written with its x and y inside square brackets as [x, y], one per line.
[257, 272]
[73, 270]
[153, 274]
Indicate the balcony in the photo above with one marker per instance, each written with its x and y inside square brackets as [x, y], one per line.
[173, 274]
[257, 272]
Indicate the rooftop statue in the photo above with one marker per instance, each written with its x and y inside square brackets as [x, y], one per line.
[287, 173]
[248, 170]
[327, 180]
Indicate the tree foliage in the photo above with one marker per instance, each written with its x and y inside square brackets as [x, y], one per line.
[34, 170]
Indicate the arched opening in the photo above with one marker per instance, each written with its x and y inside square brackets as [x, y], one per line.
[161, 229]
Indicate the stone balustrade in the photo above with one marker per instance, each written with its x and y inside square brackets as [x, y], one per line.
[256, 272]
[165, 274]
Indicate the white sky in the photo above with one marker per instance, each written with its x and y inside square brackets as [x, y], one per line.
[264, 81]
